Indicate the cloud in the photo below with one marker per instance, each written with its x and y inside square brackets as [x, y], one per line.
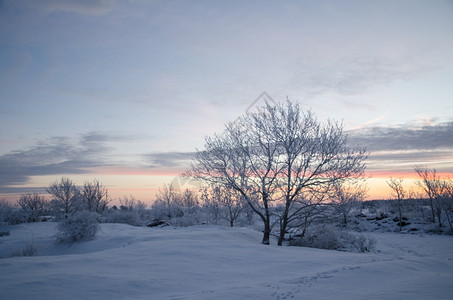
[97, 138]
[354, 75]
[406, 144]
[170, 159]
[405, 137]
[402, 147]
[57, 155]
[85, 7]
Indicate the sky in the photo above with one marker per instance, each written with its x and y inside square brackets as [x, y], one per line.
[126, 91]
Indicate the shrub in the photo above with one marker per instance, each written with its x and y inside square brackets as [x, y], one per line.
[361, 244]
[124, 217]
[28, 250]
[82, 225]
[10, 214]
[331, 238]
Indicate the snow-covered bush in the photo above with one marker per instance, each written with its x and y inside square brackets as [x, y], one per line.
[29, 250]
[330, 238]
[82, 225]
[124, 217]
[360, 243]
[131, 212]
[10, 214]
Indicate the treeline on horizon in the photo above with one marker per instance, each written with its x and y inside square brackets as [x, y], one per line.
[217, 205]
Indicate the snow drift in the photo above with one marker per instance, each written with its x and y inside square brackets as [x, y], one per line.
[213, 262]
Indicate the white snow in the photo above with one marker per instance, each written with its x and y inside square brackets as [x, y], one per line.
[213, 262]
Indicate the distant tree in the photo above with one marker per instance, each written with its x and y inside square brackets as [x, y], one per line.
[94, 196]
[277, 153]
[210, 204]
[226, 202]
[131, 211]
[189, 201]
[127, 203]
[431, 184]
[168, 201]
[11, 214]
[399, 194]
[65, 196]
[447, 200]
[5, 210]
[346, 196]
[132, 204]
[34, 205]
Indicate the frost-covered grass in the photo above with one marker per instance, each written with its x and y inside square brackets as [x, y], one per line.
[213, 262]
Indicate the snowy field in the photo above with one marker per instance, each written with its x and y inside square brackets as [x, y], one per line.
[213, 262]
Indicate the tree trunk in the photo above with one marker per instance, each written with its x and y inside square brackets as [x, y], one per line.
[267, 224]
[432, 209]
[439, 218]
[448, 219]
[267, 233]
[283, 226]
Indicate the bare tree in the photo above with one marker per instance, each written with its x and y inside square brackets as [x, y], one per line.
[278, 153]
[168, 199]
[34, 204]
[65, 196]
[447, 200]
[213, 207]
[315, 155]
[242, 158]
[307, 209]
[399, 194]
[189, 201]
[431, 184]
[95, 197]
[346, 196]
[127, 203]
[225, 202]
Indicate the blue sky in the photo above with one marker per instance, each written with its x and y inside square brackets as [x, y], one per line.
[124, 91]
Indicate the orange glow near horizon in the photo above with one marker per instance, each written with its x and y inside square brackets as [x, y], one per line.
[144, 184]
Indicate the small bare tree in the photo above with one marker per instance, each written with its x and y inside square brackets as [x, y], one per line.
[447, 200]
[95, 197]
[168, 199]
[346, 196]
[431, 184]
[33, 204]
[212, 207]
[65, 197]
[226, 203]
[189, 201]
[427, 182]
[399, 194]
[127, 203]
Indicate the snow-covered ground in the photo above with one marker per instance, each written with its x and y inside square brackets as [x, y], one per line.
[213, 262]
